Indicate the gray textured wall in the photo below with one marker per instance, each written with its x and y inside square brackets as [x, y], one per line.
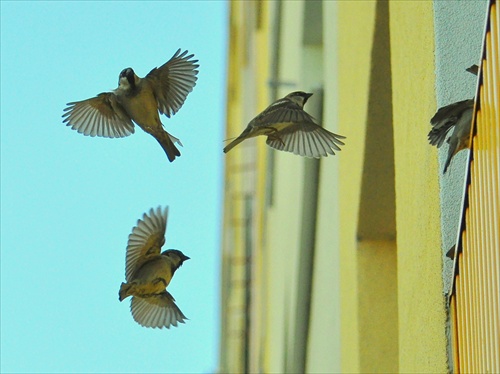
[459, 28]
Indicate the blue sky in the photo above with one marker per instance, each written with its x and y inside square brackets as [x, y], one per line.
[69, 202]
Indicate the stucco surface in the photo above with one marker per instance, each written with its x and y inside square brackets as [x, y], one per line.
[459, 28]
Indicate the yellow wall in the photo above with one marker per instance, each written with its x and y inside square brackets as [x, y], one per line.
[422, 344]
[283, 223]
[355, 34]
[391, 291]
[376, 302]
[244, 186]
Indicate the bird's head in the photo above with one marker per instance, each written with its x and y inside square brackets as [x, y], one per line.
[299, 97]
[176, 256]
[128, 79]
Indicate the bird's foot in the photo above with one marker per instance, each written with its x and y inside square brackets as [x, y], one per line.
[160, 280]
[275, 136]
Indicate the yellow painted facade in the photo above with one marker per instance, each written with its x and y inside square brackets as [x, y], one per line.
[334, 265]
[420, 296]
[475, 291]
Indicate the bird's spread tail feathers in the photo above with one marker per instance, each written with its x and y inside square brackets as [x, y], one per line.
[247, 133]
[167, 142]
[233, 144]
[124, 291]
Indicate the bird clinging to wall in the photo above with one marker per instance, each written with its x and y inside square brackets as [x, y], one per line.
[456, 116]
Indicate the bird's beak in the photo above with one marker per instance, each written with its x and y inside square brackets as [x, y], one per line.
[185, 258]
[308, 95]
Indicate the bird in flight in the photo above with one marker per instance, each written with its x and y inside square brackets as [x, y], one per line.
[138, 100]
[149, 272]
[290, 128]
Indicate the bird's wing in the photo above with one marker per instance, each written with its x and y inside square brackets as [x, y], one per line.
[438, 133]
[306, 139]
[282, 111]
[156, 311]
[99, 116]
[445, 118]
[451, 110]
[460, 138]
[173, 81]
[146, 239]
